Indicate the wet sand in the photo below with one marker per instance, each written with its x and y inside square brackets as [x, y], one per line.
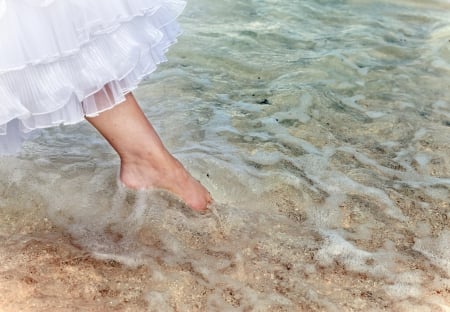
[215, 262]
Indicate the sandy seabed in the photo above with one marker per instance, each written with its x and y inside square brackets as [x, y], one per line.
[226, 260]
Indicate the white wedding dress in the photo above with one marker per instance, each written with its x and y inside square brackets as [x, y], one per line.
[61, 60]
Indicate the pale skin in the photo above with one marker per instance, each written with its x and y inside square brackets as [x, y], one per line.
[145, 161]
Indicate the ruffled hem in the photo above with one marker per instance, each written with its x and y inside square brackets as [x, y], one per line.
[110, 58]
[27, 27]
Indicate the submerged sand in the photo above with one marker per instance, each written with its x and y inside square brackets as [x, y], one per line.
[228, 260]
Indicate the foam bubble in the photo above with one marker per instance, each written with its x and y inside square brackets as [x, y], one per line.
[402, 291]
[436, 249]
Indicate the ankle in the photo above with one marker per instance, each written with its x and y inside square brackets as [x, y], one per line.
[150, 171]
[144, 159]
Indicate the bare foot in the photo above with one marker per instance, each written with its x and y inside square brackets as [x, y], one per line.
[169, 175]
[145, 162]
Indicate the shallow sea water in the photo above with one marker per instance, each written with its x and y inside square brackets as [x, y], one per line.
[322, 129]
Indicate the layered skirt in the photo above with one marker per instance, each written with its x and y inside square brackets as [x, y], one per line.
[62, 60]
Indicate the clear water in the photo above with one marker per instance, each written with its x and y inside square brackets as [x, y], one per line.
[322, 129]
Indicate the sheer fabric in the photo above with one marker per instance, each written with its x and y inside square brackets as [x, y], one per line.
[61, 60]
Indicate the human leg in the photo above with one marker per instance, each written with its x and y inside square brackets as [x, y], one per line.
[145, 162]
